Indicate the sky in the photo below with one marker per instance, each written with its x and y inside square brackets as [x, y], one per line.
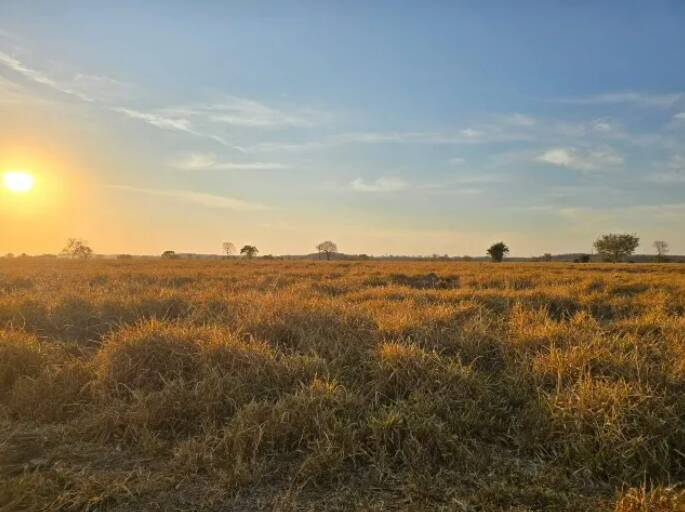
[388, 127]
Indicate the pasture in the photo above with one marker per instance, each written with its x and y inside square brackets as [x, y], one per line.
[330, 386]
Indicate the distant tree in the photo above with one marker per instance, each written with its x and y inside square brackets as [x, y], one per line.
[661, 250]
[9, 255]
[584, 258]
[250, 251]
[169, 255]
[77, 248]
[615, 246]
[327, 248]
[547, 257]
[466, 258]
[497, 251]
[228, 248]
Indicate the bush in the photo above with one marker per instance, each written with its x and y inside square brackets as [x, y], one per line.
[20, 356]
[149, 354]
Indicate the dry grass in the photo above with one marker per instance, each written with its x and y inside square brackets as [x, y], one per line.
[185, 385]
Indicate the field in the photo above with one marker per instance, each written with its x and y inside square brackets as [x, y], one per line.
[322, 386]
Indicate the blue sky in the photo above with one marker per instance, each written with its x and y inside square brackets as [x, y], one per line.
[389, 127]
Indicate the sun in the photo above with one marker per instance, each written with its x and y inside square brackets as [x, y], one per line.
[18, 181]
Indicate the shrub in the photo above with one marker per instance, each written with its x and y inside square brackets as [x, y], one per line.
[20, 356]
[148, 354]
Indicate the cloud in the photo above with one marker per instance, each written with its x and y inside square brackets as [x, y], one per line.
[195, 119]
[680, 116]
[160, 121]
[582, 160]
[383, 184]
[245, 112]
[169, 122]
[456, 161]
[208, 161]
[287, 147]
[463, 136]
[626, 97]
[39, 77]
[197, 198]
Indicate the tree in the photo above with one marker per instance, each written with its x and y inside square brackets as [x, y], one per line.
[497, 251]
[169, 255]
[250, 251]
[584, 258]
[327, 248]
[661, 250]
[228, 248]
[547, 257]
[77, 248]
[615, 246]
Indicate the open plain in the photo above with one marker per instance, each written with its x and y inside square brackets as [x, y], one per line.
[313, 385]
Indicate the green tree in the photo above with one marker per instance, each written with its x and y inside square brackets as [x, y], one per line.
[615, 246]
[497, 251]
[250, 251]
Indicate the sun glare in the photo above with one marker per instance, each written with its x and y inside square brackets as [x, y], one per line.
[18, 181]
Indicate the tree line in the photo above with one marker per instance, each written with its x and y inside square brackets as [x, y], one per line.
[612, 247]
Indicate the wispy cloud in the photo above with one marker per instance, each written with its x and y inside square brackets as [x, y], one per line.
[383, 184]
[201, 120]
[462, 136]
[680, 116]
[39, 77]
[160, 121]
[209, 161]
[196, 198]
[626, 97]
[245, 112]
[582, 160]
[456, 161]
[285, 147]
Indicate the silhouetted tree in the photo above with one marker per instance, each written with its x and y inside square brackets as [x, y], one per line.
[228, 248]
[615, 246]
[584, 258]
[547, 257]
[661, 250]
[77, 248]
[497, 251]
[250, 251]
[327, 248]
[169, 255]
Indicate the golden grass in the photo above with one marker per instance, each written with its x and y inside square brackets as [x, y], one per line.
[226, 385]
